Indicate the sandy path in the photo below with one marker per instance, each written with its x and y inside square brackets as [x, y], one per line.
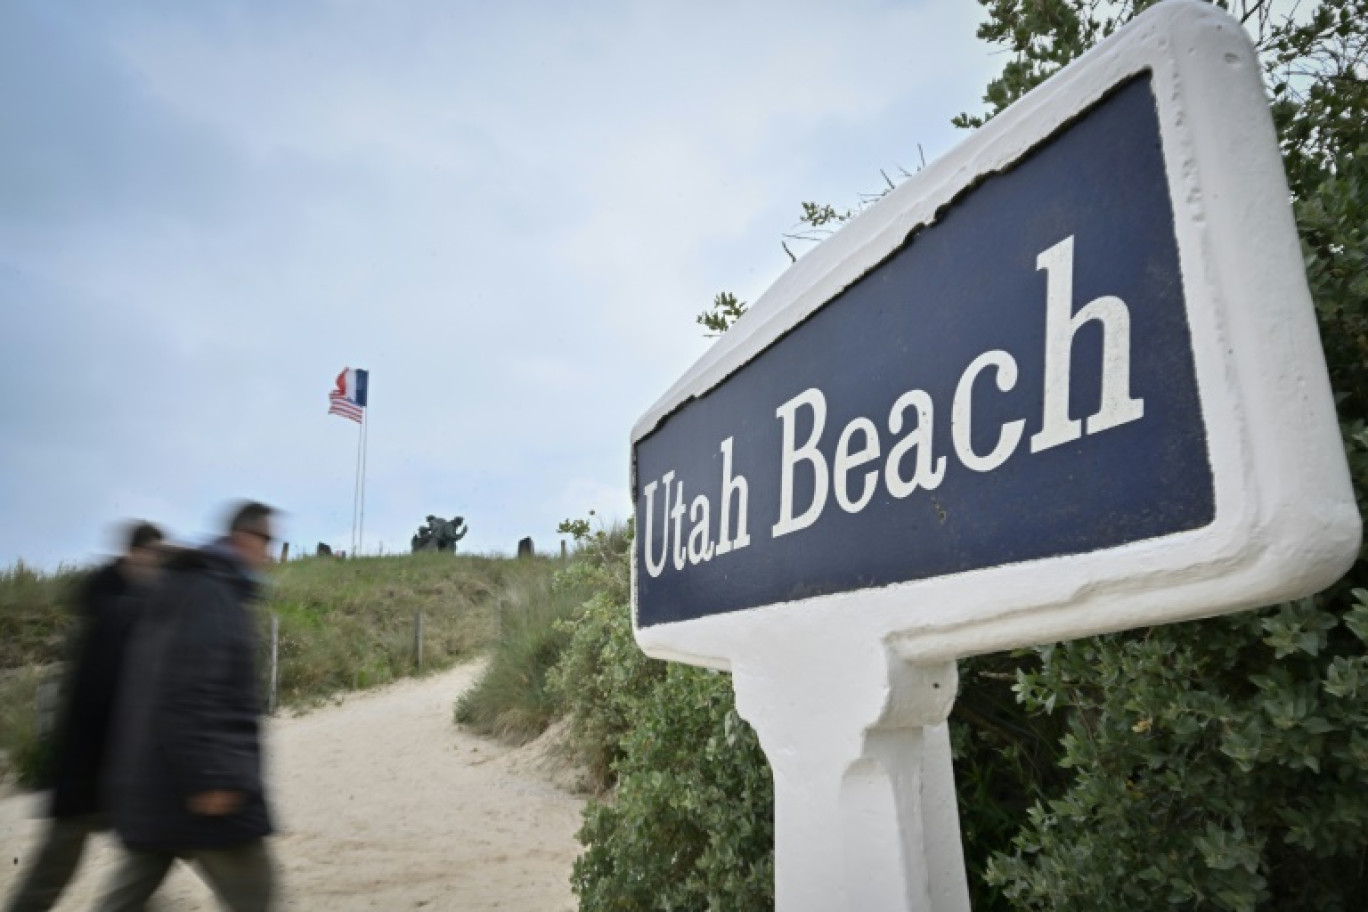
[381, 803]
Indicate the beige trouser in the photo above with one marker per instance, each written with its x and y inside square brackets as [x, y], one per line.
[56, 860]
[242, 877]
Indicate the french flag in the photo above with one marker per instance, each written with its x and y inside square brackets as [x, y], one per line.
[348, 397]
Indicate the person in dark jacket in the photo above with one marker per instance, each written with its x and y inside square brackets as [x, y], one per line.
[106, 604]
[185, 776]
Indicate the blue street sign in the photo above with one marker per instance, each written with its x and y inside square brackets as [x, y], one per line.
[1015, 382]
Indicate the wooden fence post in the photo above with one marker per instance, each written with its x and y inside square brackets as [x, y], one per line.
[275, 664]
[418, 639]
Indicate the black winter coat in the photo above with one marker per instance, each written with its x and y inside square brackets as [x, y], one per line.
[188, 717]
[106, 606]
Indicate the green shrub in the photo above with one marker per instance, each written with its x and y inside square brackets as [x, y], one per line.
[603, 679]
[602, 674]
[691, 825]
[688, 823]
[1224, 763]
[1220, 764]
[1005, 761]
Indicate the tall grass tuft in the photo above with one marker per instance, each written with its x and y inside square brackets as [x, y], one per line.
[22, 754]
[512, 699]
[34, 615]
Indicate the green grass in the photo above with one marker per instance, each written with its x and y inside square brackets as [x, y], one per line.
[515, 698]
[34, 621]
[512, 700]
[344, 625]
[21, 753]
[349, 624]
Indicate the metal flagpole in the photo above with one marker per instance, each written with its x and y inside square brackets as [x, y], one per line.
[365, 453]
[356, 486]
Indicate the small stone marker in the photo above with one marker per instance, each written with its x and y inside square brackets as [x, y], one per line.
[273, 682]
[418, 639]
[1066, 380]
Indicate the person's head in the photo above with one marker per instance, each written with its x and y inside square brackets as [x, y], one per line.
[249, 530]
[143, 551]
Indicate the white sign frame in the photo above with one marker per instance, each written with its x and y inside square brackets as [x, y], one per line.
[1285, 523]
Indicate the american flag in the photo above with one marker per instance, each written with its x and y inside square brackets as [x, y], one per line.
[348, 398]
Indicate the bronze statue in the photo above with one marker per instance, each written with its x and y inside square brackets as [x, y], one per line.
[439, 534]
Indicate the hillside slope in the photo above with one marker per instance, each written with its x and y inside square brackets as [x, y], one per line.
[344, 625]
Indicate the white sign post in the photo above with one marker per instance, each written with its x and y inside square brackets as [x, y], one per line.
[865, 814]
[1066, 380]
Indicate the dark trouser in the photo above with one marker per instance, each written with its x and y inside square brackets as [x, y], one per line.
[56, 861]
[242, 877]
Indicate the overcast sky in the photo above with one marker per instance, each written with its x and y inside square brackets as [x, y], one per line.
[509, 214]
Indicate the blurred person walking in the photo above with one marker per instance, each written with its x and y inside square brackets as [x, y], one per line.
[107, 605]
[186, 779]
